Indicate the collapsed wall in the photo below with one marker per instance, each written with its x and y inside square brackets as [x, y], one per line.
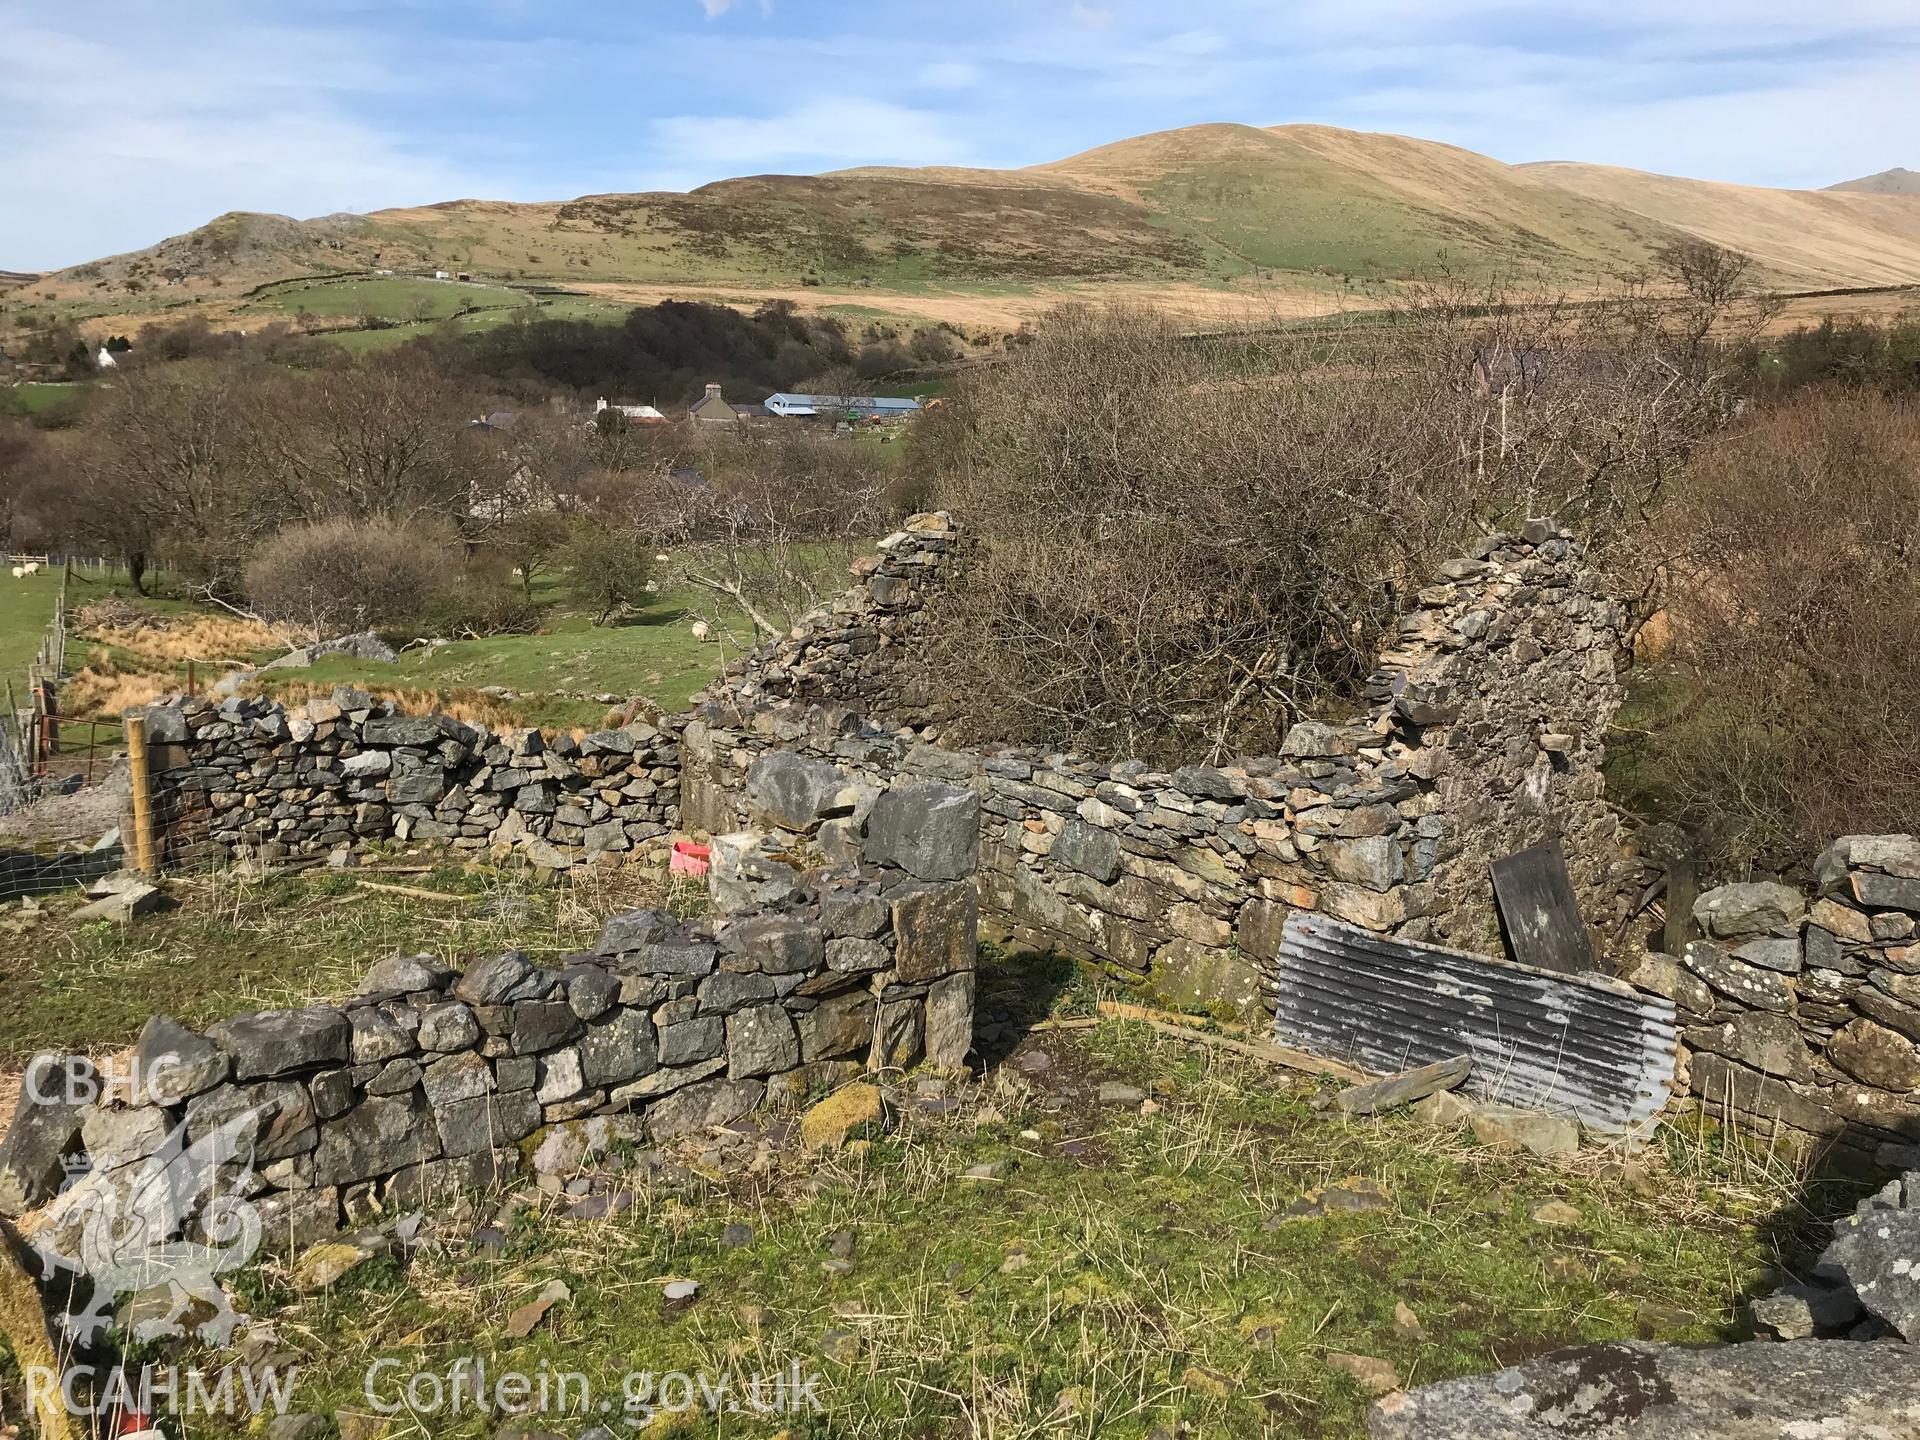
[1483, 734]
[431, 1081]
[1803, 1020]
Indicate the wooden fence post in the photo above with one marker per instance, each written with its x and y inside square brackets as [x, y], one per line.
[143, 855]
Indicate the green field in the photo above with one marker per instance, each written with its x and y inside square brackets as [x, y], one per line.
[26, 607]
[406, 307]
[395, 297]
[34, 397]
[651, 654]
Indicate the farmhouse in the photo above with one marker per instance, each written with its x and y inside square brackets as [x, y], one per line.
[633, 414]
[713, 406]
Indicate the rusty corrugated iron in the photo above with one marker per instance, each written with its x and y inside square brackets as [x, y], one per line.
[1581, 1045]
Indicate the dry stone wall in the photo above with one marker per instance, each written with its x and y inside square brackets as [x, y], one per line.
[1801, 1018]
[861, 649]
[1484, 733]
[431, 1080]
[248, 777]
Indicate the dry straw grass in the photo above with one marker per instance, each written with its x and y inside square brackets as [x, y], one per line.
[469, 706]
[224, 640]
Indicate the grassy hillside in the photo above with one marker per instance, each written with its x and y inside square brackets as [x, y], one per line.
[1307, 197]
[1807, 238]
[1175, 217]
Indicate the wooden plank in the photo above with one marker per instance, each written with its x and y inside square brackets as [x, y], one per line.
[1539, 912]
[415, 892]
[1121, 1010]
[1404, 1088]
[1683, 888]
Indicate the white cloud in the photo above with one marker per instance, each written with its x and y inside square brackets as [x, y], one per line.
[829, 130]
[107, 148]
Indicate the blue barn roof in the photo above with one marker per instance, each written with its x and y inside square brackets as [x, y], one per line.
[788, 403]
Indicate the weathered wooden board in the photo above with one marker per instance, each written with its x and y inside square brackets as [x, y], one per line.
[1405, 1088]
[1538, 908]
[1683, 888]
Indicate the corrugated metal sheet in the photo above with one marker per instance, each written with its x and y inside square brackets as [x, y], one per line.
[1575, 1045]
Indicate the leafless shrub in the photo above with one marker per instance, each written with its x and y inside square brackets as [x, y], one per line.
[341, 575]
[766, 522]
[198, 463]
[1187, 541]
[1795, 611]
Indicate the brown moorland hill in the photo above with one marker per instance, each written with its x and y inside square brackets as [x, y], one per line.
[1204, 212]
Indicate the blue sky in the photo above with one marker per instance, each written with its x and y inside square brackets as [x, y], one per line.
[123, 121]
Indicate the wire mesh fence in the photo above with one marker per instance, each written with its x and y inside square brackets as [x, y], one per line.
[65, 784]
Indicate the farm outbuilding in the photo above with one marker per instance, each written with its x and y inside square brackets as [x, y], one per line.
[860, 407]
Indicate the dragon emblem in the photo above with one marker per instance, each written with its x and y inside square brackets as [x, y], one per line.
[179, 1219]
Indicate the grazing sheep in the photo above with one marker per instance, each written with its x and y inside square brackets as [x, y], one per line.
[18, 572]
[700, 630]
[663, 557]
[33, 567]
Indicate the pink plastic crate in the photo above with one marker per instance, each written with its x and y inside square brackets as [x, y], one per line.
[689, 858]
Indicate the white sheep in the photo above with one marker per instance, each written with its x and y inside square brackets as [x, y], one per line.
[663, 557]
[32, 567]
[18, 572]
[700, 630]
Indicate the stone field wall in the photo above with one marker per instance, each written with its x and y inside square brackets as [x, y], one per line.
[1483, 734]
[1801, 1019]
[244, 777]
[432, 1081]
